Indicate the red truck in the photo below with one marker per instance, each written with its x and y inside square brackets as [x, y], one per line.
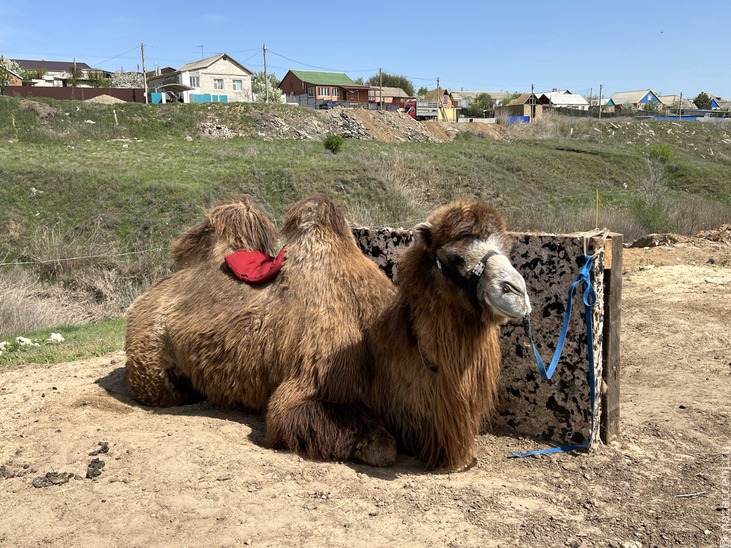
[422, 110]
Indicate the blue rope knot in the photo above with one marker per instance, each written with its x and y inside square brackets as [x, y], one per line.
[589, 299]
[589, 296]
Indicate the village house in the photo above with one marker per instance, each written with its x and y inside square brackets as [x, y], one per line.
[675, 102]
[9, 74]
[321, 89]
[57, 73]
[444, 96]
[465, 98]
[717, 103]
[389, 97]
[563, 99]
[640, 100]
[215, 79]
[524, 106]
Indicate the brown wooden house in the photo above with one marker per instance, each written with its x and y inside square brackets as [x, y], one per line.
[313, 89]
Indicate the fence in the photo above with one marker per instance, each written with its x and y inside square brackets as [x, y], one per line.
[558, 410]
[130, 95]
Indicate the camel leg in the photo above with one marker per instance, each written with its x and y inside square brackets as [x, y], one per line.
[155, 382]
[325, 430]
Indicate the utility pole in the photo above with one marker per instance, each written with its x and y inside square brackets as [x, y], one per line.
[439, 99]
[144, 72]
[680, 107]
[75, 81]
[266, 82]
[380, 89]
[532, 104]
[600, 101]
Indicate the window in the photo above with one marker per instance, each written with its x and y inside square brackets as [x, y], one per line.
[311, 92]
[195, 82]
[323, 91]
[336, 92]
[218, 83]
[238, 85]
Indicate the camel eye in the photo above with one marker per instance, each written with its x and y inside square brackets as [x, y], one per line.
[509, 288]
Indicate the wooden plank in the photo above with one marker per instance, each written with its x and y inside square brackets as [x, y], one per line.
[609, 427]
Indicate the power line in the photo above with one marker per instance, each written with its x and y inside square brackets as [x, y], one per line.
[64, 259]
[116, 56]
[317, 67]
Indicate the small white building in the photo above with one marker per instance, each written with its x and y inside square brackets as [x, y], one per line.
[215, 79]
[563, 99]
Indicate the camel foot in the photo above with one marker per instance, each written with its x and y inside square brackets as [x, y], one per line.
[377, 449]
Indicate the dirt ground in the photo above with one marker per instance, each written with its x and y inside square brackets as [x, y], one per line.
[199, 475]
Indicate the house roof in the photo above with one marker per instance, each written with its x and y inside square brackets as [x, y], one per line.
[7, 63]
[208, 61]
[565, 98]
[672, 100]
[388, 92]
[433, 94]
[522, 99]
[472, 95]
[175, 87]
[325, 78]
[50, 66]
[630, 97]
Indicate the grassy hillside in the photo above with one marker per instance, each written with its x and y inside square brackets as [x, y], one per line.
[132, 179]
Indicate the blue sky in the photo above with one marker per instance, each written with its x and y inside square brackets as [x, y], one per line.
[671, 47]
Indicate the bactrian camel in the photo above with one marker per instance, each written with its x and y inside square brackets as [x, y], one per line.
[343, 364]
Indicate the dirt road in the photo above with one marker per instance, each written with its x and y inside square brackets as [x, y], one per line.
[200, 476]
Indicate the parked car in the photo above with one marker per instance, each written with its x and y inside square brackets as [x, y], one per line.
[326, 105]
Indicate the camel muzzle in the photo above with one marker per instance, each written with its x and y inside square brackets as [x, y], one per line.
[504, 288]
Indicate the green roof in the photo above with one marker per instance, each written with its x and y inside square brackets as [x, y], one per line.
[324, 78]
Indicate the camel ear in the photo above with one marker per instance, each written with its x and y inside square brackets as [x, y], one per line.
[424, 232]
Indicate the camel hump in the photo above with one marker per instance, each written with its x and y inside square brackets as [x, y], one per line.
[228, 227]
[316, 214]
[463, 219]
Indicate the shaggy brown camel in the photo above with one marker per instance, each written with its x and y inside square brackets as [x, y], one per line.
[343, 364]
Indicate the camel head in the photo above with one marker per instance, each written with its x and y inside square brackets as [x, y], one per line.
[467, 243]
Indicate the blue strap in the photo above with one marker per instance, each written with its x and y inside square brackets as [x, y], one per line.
[589, 298]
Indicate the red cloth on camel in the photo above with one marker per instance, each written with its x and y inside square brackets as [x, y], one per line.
[254, 266]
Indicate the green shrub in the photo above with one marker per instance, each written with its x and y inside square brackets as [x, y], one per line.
[660, 152]
[651, 216]
[333, 143]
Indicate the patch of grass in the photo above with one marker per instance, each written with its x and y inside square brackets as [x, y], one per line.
[80, 342]
[127, 186]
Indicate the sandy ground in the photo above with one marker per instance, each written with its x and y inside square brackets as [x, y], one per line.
[198, 475]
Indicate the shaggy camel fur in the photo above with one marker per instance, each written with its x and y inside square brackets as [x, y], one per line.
[293, 348]
[436, 349]
[344, 366]
[228, 227]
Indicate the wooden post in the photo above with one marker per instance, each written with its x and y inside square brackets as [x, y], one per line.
[609, 426]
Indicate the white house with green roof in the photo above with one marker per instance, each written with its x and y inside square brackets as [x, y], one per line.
[311, 88]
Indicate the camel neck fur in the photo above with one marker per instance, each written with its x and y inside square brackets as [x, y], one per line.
[431, 318]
